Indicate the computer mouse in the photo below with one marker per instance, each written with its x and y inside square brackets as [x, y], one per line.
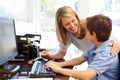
[40, 59]
[45, 59]
[30, 61]
[37, 59]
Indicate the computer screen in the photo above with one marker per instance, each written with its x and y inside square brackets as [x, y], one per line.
[8, 48]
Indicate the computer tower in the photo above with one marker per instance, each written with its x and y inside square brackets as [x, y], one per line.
[33, 52]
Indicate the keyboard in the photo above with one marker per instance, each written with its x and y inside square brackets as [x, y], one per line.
[39, 71]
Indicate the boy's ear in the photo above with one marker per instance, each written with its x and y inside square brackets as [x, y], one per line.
[93, 34]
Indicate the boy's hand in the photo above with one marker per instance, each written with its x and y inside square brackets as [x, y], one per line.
[54, 66]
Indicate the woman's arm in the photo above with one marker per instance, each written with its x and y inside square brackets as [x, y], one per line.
[47, 55]
[58, 55]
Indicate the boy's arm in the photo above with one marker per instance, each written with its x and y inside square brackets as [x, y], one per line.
[81, 75]
[72, 62]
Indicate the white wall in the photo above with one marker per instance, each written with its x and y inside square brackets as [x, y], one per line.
[83, 7]
[32, 25]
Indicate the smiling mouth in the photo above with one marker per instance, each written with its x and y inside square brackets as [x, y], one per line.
[73, 29]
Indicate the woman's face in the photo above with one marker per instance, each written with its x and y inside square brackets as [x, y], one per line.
[70, 24]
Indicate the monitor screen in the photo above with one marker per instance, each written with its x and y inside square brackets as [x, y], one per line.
[8, 48]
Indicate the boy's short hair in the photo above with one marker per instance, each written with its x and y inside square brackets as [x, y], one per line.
[101, 25]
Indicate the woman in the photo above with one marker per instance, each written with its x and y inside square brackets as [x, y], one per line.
[71, 29]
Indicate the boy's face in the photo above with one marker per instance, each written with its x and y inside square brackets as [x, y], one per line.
[90, 37]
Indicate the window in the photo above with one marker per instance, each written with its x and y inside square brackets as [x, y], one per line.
[13, 9]
[23, 13]
[47, 20]
[109, 8]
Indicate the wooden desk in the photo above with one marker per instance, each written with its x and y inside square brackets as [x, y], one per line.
[60, 76]
[9, 72]
[25, 67]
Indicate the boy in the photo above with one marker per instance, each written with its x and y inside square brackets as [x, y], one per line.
[101, 65]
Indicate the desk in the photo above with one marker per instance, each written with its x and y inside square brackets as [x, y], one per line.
[60, 76]
[9, 72]
[25, 67]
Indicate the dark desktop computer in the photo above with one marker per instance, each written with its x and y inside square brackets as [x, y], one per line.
[8, 48]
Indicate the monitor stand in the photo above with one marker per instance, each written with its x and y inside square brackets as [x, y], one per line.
[8, 71]
[16, 60]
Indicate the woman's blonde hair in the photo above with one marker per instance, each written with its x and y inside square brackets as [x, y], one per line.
[61, 32]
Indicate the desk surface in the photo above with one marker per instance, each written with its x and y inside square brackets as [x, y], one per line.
[60, 76]
[57, 77]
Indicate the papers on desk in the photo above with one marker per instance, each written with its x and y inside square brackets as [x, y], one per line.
[34, 79]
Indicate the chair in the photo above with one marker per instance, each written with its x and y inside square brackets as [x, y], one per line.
[119, 65]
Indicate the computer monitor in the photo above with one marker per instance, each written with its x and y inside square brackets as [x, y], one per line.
[8, 48]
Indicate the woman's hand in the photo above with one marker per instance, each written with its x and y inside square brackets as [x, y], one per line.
[45, 54]
[115, 48]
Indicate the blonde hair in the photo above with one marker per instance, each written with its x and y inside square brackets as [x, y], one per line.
[61, 32]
